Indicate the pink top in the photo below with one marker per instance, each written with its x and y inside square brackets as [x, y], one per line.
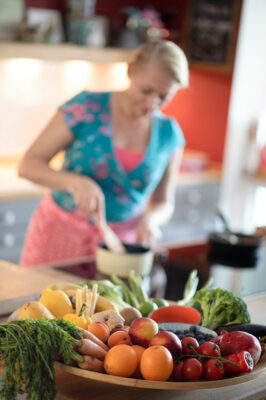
[127, 158]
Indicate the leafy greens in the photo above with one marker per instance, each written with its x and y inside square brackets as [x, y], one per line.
[26, 351]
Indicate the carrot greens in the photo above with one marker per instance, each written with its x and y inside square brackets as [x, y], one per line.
[26, 351]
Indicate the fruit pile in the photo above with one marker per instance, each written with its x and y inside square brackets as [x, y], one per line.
[124, 340]
[144, 351]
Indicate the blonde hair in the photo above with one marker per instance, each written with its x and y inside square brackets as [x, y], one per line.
[171, 57]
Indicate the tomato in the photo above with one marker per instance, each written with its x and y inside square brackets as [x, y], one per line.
[213, 369]
[188, 343]
[192, 368]
[236, 341]
[178, 372]
[242, 360]
[210, 349]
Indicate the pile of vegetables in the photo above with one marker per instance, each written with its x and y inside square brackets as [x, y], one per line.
[218, 307]
[27, 350]
[28, 346]
[121, 294]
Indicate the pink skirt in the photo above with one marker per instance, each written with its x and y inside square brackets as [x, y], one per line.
[57, 235]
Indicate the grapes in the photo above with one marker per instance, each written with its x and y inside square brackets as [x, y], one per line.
[193, 331]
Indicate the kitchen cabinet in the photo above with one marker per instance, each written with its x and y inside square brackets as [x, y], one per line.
[192, 218]
[14, 218]
[194, 212]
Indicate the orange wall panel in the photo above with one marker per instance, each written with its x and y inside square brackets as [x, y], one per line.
[202, 110]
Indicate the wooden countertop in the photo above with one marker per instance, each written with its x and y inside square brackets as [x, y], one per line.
[20, 283]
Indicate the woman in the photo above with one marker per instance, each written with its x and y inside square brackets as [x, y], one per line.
[120, 165]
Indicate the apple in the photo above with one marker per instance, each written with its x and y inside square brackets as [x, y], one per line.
[142, 330]
[168, 340]
[236, 341]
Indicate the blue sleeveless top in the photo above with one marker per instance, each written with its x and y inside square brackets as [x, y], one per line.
[91, 153]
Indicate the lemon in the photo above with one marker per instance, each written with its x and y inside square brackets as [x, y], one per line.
[147, 307]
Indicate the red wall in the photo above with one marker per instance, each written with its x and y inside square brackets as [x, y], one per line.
[201, 111]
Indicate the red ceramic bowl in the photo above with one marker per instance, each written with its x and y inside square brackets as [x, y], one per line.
[176, 313]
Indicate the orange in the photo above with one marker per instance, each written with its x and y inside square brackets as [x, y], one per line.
[121, 360]
[139, 351]
[119, 337]
[156, 363]
[100, 330]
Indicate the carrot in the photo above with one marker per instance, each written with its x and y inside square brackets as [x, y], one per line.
[93, 338]
[91, 363]
[89, 348]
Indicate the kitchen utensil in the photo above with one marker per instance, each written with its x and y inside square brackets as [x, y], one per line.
[110, 238]
[136, 257]
[242, 252]
[232, 237]
[233, 248]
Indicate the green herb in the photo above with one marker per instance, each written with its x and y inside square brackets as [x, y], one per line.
[191, 288]
[26, 350]
[136, 286]
[112, 292]
[128, 296]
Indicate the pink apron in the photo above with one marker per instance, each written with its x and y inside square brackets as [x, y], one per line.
[58, 235]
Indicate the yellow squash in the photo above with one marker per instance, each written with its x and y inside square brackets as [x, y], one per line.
[81, 321]
[57, 302]
[104, 304]
[34, 309]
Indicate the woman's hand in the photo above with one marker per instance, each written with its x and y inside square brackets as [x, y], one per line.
[88, 196]
[147, 233]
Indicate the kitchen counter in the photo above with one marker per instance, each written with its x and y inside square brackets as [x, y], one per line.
[13, 187]
[22, 283]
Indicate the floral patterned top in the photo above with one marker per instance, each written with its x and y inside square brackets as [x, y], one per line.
[91, 153]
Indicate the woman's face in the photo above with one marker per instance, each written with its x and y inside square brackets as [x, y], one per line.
[149, 89]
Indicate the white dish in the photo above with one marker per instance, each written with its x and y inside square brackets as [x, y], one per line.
[136, 258]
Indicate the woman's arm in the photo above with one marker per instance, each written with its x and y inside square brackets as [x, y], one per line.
[162, 204]
[35, 162]
[35, 166]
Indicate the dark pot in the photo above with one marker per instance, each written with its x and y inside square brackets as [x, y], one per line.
[234, 249]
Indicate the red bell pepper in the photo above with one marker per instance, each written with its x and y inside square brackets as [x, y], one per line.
[243, 362]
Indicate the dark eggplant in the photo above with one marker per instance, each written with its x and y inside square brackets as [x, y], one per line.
[254, 329]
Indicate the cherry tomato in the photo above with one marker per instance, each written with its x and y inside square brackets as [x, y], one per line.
[209, 349]
[192, 368]
[178, 372]
[213, 369]
[188, 344]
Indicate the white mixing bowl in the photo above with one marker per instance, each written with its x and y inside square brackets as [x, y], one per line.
[137, 258]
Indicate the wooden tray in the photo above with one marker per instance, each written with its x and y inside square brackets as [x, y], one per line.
[141, 383]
